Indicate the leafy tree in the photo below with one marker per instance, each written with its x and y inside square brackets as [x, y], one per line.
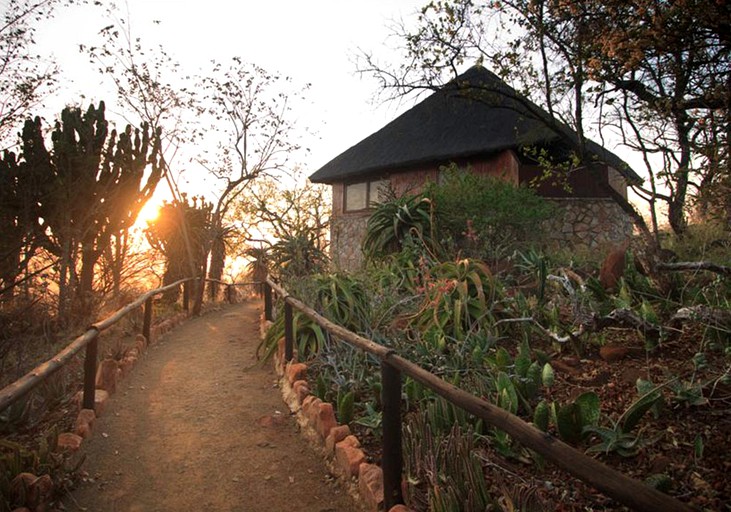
[275, 209]
[295, 222]
[665, 70]
[24, 78]
[656, 73]
[249, 114]
[239, 109]
[150, 86]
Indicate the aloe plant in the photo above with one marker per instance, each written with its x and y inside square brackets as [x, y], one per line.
[615, 439]
[572, 420]
[458, 297]
[637, 409]
[507, 397]
[447, 464]
[541, 415]
[342, 299]
[309, 340]
[619, 437]
[394, 221]
[346, 406]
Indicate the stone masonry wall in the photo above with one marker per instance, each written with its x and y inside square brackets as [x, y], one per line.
[588, 223]
[346, 235]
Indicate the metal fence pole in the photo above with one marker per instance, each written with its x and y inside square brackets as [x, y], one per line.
[288, 333]
[90, 358]
[267, 302]
[147, 323]
[392, 456]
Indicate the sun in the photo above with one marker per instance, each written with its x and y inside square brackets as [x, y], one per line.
[148, 213]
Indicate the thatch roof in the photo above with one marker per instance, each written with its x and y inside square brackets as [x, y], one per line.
[476, 114]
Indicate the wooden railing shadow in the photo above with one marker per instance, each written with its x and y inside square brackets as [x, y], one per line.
[614, 484]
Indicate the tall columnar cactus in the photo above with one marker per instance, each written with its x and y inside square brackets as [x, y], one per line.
[95, 183]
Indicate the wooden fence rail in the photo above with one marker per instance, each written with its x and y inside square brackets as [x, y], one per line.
[89, 340]
[614, 484]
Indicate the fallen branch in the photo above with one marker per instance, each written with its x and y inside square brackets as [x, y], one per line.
[718, 318]
[572, 336]
[695, 266]
[624, 317]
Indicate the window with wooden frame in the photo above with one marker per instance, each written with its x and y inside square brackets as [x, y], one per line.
[363, 194]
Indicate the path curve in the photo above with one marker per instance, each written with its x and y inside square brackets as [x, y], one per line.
[199, 426]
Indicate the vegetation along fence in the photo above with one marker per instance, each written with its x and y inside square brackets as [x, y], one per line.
[89, 340]
[614, 484]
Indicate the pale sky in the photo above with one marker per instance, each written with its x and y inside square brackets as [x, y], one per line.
[311, 41]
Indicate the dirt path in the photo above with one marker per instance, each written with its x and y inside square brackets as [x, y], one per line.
[196, 427]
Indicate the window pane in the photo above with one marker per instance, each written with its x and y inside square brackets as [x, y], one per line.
[378, 191]
[355, 196]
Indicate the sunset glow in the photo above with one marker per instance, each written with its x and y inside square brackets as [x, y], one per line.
[148, 214]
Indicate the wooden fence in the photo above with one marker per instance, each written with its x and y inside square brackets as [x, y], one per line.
[614, 484]
[89, 340]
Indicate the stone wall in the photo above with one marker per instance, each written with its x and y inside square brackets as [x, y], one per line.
[588, 223]
[346, 235]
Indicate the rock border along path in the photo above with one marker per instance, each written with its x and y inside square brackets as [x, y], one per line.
[198, 425]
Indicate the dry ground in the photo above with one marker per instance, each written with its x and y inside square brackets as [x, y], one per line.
[200, 426]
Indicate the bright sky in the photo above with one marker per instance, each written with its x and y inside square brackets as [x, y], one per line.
[311, 41]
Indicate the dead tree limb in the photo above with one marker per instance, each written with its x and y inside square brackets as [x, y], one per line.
[695, 266]
[718, 318]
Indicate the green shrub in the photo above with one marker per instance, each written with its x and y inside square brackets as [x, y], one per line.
[485, 217]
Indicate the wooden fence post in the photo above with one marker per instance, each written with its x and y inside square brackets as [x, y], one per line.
[186, 295]
[392, 457]
[288, 333]
[267, 302]
[90, 358]
[147, 322]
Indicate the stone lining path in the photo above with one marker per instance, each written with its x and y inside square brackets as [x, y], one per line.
[200, 426]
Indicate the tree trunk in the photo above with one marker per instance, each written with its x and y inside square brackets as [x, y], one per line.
[9, 276]
[200, 290]
[676, 215]
[120, 250]
[89, 257]
[218, 260]
[64, 281]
